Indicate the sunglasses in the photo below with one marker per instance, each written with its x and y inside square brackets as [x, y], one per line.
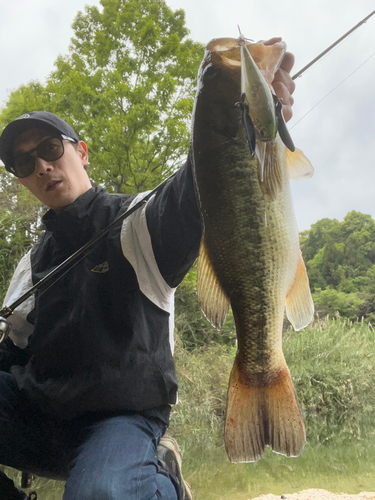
[50, 149]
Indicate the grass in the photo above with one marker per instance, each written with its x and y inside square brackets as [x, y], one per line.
[333, 366]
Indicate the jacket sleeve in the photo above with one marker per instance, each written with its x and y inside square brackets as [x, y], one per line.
[11, 355]
[21, 281]
[174, 225]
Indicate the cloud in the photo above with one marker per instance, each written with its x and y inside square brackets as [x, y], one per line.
[32, 35]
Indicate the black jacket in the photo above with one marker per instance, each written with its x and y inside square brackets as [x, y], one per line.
[100, 339]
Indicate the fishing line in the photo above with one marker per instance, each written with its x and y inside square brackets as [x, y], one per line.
[333, 90]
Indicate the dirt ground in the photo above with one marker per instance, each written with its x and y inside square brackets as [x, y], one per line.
[318, 495]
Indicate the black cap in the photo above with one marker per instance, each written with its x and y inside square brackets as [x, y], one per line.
[26, 121]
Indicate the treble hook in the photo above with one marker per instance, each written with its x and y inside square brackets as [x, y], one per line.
[241, 38]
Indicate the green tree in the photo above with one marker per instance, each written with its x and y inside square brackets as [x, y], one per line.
[126, 87]
[340, 260]
[314, 239]
[337, 254]
[329, 302]
[19, 226]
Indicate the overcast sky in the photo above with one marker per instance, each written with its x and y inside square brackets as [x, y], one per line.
[337, 135]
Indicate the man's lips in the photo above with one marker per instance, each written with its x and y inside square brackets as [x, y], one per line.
[52, 185]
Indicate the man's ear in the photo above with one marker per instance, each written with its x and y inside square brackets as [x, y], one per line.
[83, 153]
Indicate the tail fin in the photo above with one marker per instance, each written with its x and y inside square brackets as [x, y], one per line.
[259, 415]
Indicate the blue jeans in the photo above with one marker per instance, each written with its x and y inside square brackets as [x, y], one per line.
[111, 458]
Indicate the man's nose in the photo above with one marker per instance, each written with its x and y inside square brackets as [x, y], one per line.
[42, 166]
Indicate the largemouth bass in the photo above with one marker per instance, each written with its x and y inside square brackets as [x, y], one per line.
[249, 256]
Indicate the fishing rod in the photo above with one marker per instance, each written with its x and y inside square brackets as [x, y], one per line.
[332, 46]
[7, 311]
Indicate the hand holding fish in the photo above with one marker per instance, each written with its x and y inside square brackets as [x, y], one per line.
[283, 84]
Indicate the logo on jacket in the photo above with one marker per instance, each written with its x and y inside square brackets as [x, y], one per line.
[101, 268]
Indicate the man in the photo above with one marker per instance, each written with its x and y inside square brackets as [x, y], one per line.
[92, 379]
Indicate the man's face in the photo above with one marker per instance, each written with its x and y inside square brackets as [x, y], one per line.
[60, 182]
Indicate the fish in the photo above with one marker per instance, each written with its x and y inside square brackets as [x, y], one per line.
[249, 257]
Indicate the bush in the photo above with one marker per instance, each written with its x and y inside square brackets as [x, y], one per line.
[330, 302]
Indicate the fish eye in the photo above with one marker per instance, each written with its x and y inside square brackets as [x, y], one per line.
[262, 132]
[210, 72]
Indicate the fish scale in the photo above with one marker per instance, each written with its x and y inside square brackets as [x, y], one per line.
[249, 260]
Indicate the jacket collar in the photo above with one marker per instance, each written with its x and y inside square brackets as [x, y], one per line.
[78, 221]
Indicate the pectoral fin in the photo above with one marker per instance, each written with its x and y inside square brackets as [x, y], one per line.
[298, 166]
[299, 303]
[212, 298]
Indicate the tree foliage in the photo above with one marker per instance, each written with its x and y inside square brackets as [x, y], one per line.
[19, 226]
[126, 87]
[340, 261]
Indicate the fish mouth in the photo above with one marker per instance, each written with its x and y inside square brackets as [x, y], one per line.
[226, 52]
[53, 185]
